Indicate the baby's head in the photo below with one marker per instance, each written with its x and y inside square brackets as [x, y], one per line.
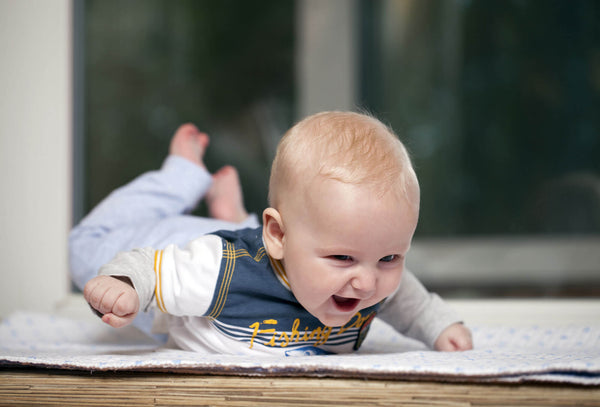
[348, 147]
[344, 206]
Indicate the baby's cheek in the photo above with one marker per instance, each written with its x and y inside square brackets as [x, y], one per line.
[390, 283]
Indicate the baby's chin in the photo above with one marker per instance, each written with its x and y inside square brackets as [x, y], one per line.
[344, 312]
[335, 321]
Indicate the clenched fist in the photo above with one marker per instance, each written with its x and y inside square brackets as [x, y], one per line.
[114, 298]
[456, 337]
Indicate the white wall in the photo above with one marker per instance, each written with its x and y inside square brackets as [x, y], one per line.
[35, 158]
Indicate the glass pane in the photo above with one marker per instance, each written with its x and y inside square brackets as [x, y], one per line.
[226, 66]
[498, 102]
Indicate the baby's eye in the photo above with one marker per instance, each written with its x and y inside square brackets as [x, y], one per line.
[390, 258]
[341, 257]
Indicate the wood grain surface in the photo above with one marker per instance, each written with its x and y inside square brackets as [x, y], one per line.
[39, 387]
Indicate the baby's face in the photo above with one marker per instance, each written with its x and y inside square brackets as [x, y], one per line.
[344, 248]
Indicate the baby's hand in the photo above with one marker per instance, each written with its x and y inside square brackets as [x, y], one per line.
[454, 338]
[115, 299]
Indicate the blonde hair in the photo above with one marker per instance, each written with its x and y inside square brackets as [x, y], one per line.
[344, 146]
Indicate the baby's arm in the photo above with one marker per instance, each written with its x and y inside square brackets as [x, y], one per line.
[179, 281]
[114, 298]
[419, 314]
[125, 285]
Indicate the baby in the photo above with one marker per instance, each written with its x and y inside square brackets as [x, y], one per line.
[344, 204]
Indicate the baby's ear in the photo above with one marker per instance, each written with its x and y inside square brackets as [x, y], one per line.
[273, 233]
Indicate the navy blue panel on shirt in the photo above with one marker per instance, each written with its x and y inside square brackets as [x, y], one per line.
[253, 305]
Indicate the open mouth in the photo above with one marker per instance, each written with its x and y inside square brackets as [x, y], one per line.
[345, 304]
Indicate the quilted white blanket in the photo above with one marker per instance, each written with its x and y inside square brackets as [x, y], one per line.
[569, 354]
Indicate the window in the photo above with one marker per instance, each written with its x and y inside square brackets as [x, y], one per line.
[496, 100]
[148, 66]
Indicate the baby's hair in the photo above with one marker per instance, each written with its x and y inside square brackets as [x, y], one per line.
[350, 147]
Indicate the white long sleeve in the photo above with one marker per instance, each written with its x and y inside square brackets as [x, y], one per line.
[179, 282]
[417, 313]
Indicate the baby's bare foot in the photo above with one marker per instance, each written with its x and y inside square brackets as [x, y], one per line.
[189, 143]
[224, 199]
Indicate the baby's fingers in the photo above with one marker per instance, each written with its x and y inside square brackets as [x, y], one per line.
[445, 345]
[120, 301]
[109, 295]
[94, 293]
[463, 341]
[456, 337]
[127, 304]
[116, 321]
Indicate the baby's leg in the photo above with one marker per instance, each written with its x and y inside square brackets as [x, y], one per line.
[150, 210]
[225, 199]
[189, 143]
[129, 216]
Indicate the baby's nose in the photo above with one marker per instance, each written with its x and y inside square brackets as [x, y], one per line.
[364, 282]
